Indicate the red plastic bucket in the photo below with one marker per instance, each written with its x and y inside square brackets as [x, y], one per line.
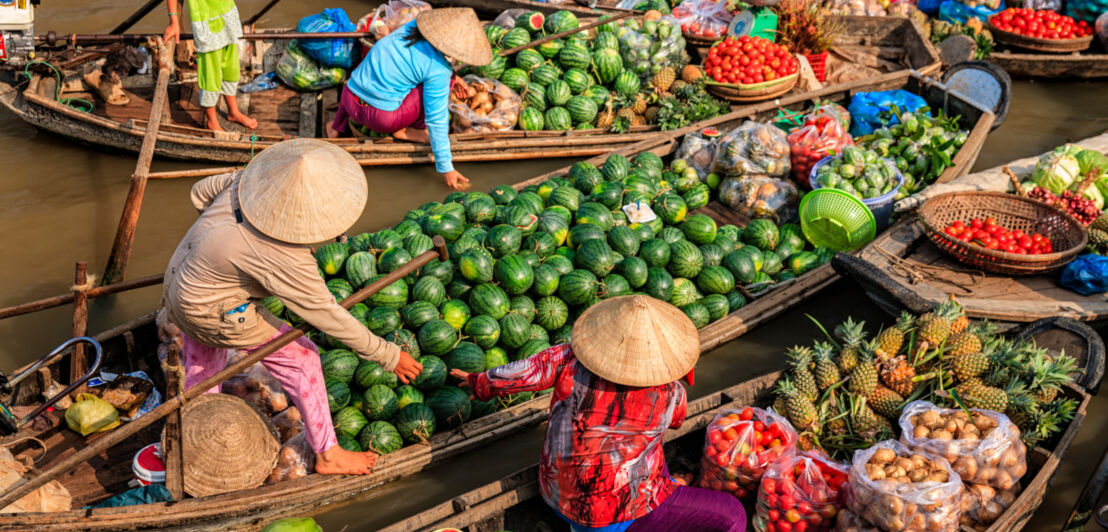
[819, 65]
[148, 466]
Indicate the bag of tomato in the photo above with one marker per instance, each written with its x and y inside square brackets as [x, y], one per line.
[801, 493]
[821, 135]
[740, 445]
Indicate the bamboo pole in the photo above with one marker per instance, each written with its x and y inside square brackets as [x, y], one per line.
[77, 363]
[65, 299]
[128, 223]
[26, 485]
[136, 16]
[559, 35]
[51, 38]
[172, 447]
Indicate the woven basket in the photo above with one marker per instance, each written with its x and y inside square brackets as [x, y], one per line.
[1059, 46]
[1011, 212]
[753, 93]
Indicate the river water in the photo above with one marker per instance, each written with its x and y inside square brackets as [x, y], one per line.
[61, 202]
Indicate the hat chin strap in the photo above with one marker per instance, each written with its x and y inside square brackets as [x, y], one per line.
[691, 377]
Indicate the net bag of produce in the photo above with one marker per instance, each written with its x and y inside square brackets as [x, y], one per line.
[329, 52]
[89, 414]
[760, 197]
[821, 135]
[984, 448]
[739, 447]
[752, 150]
[896, 488]
[698, 150]
[804, 488]
[982, 505]
[299, 71]
[490, 106]
[706, 19]
[958, 12]
[391, 15]
[1087, 10]
[872, 110]
[1087, 275]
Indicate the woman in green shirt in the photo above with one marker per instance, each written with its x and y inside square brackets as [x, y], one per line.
[215, 31]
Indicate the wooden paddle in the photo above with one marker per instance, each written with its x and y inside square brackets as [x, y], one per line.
[548, 38]
[27, 485]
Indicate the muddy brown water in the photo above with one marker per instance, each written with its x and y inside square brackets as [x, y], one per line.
[60, 202]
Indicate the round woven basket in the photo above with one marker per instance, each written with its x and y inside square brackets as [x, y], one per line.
[226, 445]
[1061, 46]
[1011, 212]
[753, 93]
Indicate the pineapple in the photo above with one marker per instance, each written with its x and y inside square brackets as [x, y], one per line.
[862, 417]
[799, 358]
[800, 411]
[832, 418]
[934, 327]
[626, 113]
[963, 343]
[977, 395]
[664, 79]
[678, 85]
[779, 405]
[886, 402]
[969, 366]
[863, 379]
[651, 114]
[605, 118]
[897, 374]
[638, 120]
[1098, 239]
[852, 335]
[1048, 374]
[826, 372]
[953, 312]
[691, 74]
[1021, 407]
[891, 339]
[1100, 224]
[638, 105]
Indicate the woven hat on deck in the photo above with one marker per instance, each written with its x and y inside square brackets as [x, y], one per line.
[303, 191]
[636, 341]
[225, 444]
[456, 32]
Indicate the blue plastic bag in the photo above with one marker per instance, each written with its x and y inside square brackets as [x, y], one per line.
[329, 52]
[953, 11]
[930, 7]
[866, 108]
[1087, 275]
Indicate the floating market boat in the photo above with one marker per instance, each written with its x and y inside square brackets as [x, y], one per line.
[284, 113]
[903, 269]
[1052, 66]
[132, 346]
[492, 8]
[514, 502]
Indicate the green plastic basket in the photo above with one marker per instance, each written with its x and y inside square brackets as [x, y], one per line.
[836, 220]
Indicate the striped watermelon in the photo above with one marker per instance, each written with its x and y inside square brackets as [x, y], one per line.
[478, 210]
[616, 167]
[484, 330]
[685, 259]
[494, 33]
[659, 284]
[528, 60]
[456, 313]
[340, 289]
[684, 292]
[489, 300]
[379, 403]
[429, 289]
[382, 320]
[699, 229]
[433, 374]
[717, 305]
[380, 437]
[339, 364]
[595, 256]
[496, 67]
[466, 356]
[598, 94]
[448, 226]
[458, 288]
[607, 64]
[656, 252]
[330, 257]
[416, 422]
[540, 243]
[551, 313]
[670, 208]
[394, 295]
[476, 265]
[584, 232]
[338, 394]
[577, 287]
[417, 313]
[761, 233]
[546, 74]
[515, 78]
[437, 337]
[771, 263]
[531, 119]
[393, 259]
[608, 194]
[581, 109]
[614, 285]
[443, 271]
[360, 267]
[364, 241]
[560, 21]
[531, 348]
[555, 226]
[550, 49]
[531, 21]
[513, 274]
[697, 313]
[534, 96]
[385, 239]
[623, 240]
[451, 405]
[349, 443]
[712, 253]
[606, 40]
[577, 80]
[407, 394]
[557, 119]
[515, 37]
[574, 56]
[634, 270]
[370, 373]
[698, 197]
[523, 306]
[514, 330]
[406, 340]
[417, 244]
[715, 280]
[494, 357]
[558, 92]
[627, 83]
[546, 280]
[502, 240]
[594, 213]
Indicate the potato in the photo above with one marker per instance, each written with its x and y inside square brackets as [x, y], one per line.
[941, 434]
[1003, 479]
[917, 475]
[966, 467]
[939, 477]
[984, 422]
[1019, 470]
[905, 463]
[951, 426]
[1009, 458]
[931, 418]
[883, 456]
[985, 474]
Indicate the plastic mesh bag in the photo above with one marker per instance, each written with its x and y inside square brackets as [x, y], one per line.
[821, 135]
[929, 501]
[739, 447]
[760, 197]
[698, 151]
[394, 14]
[809, 484]
[984, 449]
[1086, 275]
[707, 19]
[301, 72]
[295, 460]
[329, 52]
[870, 111]
[982, 505]
[752, 149]
[954, 11]
[492, 106]
[89, 414]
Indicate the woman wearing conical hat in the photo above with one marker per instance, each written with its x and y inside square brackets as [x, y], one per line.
[250, 242]
[403, 86]
[616, 391]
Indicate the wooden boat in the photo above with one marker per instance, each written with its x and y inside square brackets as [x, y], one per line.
[902, 269]
[492, 8]
[1084, 65]
[132, 346]
[284, 113]
[514, 502]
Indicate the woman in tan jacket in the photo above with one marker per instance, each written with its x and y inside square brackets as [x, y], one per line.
[250, 242]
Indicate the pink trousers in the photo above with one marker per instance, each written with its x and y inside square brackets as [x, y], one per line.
[295, 366]
[409, 114]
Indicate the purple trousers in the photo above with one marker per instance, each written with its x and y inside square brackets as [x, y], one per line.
[689, 509]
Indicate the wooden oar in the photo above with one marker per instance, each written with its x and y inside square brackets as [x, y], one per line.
[603, 21]
[27, 485]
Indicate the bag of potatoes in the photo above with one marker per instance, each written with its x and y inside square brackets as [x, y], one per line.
[982, 446]
[982, 505]
[896, 488]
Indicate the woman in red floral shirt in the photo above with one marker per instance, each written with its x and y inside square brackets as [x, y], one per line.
[616, 391]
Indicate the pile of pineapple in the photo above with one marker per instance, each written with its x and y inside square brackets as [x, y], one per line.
[848, 393]
[1098, 235]
[643, 108]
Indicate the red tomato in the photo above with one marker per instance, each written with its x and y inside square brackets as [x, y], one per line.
[786, 502]
[804, 508]
[773, 515]
[800, 526]
[770, 527]
[759, 426]
[784, 526]
[977, 223]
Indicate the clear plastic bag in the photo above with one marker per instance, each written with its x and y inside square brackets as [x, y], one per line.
[735, 459]
[1049, 5]
[706, 19]
[288, 423]
[394, 14]
[328, 52]
[982, 505]
[507, 19]
[1100, 27]
[821, 135]
[930, 504]
[492, 107]
[983, 450]
[848, 521]
[809, 483]
[753, 150]
[299, 71]
[51, 497]
[760, 197]
[295, 460]
[871, 8]
[258, 388]
[263, 82]
[698, 151]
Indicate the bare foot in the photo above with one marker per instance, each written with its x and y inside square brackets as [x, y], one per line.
[331, 133]
[211, 119]
[250, 123]
[213, 125]
[339, 461]
[413, 135]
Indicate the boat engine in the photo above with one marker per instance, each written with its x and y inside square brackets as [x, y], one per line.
[17, 41]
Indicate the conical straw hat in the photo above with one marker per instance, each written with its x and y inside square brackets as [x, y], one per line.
[456, 32]
[226, 445]
[636, 341]
[303, 191]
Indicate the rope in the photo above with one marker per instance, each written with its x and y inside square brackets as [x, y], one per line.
[916, 272]
[89, 283]
[58, 89]
[252, 139]
[31, 438]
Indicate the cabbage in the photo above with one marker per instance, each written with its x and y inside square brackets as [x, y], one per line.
[1095, 194]
[1058, 170]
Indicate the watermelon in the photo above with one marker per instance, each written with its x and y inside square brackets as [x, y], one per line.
[551, 313]
[478, 210]
[712, 254]
[382, 320]
[545, 280]
[685, 259]
[623, 240]
[594, 213]
[684, 292]
[360, 267]
[659, 284]
[641, 184]
[550, 49]
[560, 263]
[608, 65]
[437, 337]
[598, 94]
[771, 263]
[803, 262]
[735, 300]
[532, 348]
[670, 208]
[755, 255]
[697, 313]
[380, 437]
[698, 196]
[494, 357]
[484, 330]
[730, 231]
[699, 229]
[578, 81]
[545, 75]
[539, 333]
[542, 244]
[393, 259]
[349, 421]
[394, 295]
[339, 364]
[531, 119]
[785, 249]
[359, 311]
[340, 289]
[717, 305]
[274, 305]
[523, 306]
[608, 194]
[515, 37]
[456, 313]
[364, 241]
[762, 278]
[741, 266]
[467, 357]
[433, 374]
[338, 394]
[495, 68]
[614, 285]
[379, 402]
[596, 257]
[494, 33]
[449, 227]
[503, 194]
[349, 443]
[458, 288]
[515, 78]
[476, 265]
[385, 239]
[648, 159]
[581, 109]
[615, 168]
[558, 93]
[656, 252]
[416, 245]
[627, 83]
[407, 394]
[488, 299]
[429, 289]
[330, 257]
[531, 21]
[513, 274]
[416, 423]
[534, 97]
[557, 119]
[566, 197]
[634, 270]
[370, 373]
[450, 405]
[577, 287]
[527, 60]
[406, 340]
[560, 21]
[606, 40]
[443, 271]
[514, 330]
[761, 233]
[574, 55]
[715, 280]
[583, 233]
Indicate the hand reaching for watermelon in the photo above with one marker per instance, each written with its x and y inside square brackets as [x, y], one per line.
[462, 376]
[407, 368]
[455, 180]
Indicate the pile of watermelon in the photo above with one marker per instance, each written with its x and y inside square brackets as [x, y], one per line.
[523, 265]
